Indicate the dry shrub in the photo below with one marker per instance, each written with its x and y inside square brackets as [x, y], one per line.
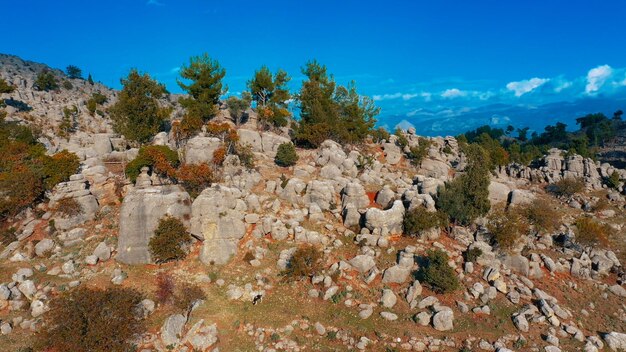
[195, 178]
[507, 227]
[219, 155]
[305, 262]
[542, 216]
[169, 241]
[8, 236]
[591, 232]
[165, 288]
[419, 219]
[567, 187]
[92, 320]
[187, 296]
[222, 131]
[68, 207]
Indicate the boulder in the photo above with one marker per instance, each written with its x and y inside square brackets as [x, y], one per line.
[199, 150]
[140, 213]
[217, 216]
[386, 220]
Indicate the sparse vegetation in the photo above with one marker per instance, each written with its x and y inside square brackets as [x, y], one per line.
[542, 216]
[507, 227]
[5, 87]
[92, 320]
[187, 296]
[417, 153]
[170, 241]
[46, 81]
[68, 207]
[471, 255]
[238, 106]
[74, 72]
[195, 178]
[161, 159]
[567, 187]
[95, 100]
[613, 180]
[590, 232]
[165, 286]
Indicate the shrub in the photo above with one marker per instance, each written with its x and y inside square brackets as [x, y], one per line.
[419, 219]
[380, 134]
[67, 85]
[613, 180]
[590, 232]
[59, 167]
[507, 227]
[46, 81]
[467, 197]
[437, 273]
[8, 236]
[471, 255]
[245, 154]
[237, 107]
[5, 87]
[195, 178]
[169, 241]
[165, 288]
[95, 100]
[222, 131]
[74, 72]
[68, 207]
[286, 155]
[542, 216]
[401, 138]
[417, 153]
[161, 159]
[187, 296]
[305, 262]
[137, 113]
[567, 187]
[219, 155]
[92, 320]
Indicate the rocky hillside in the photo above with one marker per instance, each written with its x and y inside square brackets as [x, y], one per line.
[553, 289]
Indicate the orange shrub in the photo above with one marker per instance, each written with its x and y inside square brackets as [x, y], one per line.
[195, 178]
[222, 131]
[219, 155]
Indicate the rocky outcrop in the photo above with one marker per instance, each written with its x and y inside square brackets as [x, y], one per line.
[262, 142]
[199, 150]
[385, 221]
[140, 213]
[217, 216]
[76, 189]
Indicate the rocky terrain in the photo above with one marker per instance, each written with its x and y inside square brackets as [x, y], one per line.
[548, 293]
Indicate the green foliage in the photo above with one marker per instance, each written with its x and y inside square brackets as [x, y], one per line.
[271, 95]
[68, 122]
[74, 72]
[467, 197]
[67, 85]
[437, 273]
[417, 153]
[286, 155]
[471, 255]
[137, 113]
[205, 88]
[380, 134]
[401, 139]
[59, 167]
[305, 262]
[5, 87]
[90, 79]
[475, 135]
[161, 159]
[597, 127]
[46, 81]
[498, 156]
[245, 154]
[329, 111]
[95, 100]
[567, 187]
[613, 180]
[238, 106]
[92, 320]
[507, 227]
[419, 219]
[169, 241]
[592, 233]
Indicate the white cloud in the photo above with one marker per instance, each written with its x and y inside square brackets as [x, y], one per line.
[562, 86]
[403, 96]
[453, 93]
[526, 86]
[596, 77]
[175, 69]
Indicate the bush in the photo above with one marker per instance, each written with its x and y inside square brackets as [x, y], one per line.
[95, 100]
[187, 296]
[437, 273]
[59, 167]
[245, 154]
[380, 134]
[471, 255]
[401, 139]
[5, 87]
[219, 155]
[590, 232]
[169, 241]
[74, 72]
[67, 85]
[419, 219]
[195, 178]
[542, 216]
[286, 155]
[8, 236]
[467, 197]
[222, 131]
[507, 227]
[46, 81]
[92, 320]
[161, 159]
[68, 207]
[165, 288]
[417, 153]
[567, 187]
[613, 180]
[305, 262]
[137, 113]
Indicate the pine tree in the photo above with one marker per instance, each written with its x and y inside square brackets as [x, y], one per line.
[271, 95]
[74, 72]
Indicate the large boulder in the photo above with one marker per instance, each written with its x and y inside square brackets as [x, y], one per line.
[387, 221]
[218, 218]
[264, 142]
[199, 150]
[77, 189]
[498, 192]
[434, 168]
[140, 213]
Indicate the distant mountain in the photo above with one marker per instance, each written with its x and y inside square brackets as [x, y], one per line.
[453, 121]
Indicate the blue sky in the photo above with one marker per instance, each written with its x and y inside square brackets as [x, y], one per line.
[441, 66]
